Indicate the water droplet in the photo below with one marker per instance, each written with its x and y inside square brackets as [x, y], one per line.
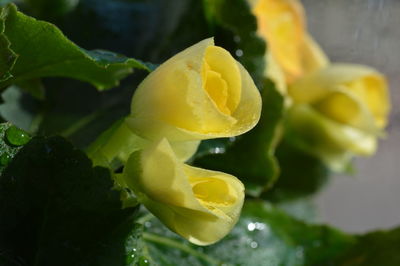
[218, 150]
[16, 136]
[239, 52]
[236, 38]
[256, 226]
[147, 224]
[5, 159]
[251, 226]
[143, 261]
[253, 244]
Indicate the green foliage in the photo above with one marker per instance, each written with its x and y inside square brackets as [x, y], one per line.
[39, 49]
[376, 248]
[263, 236]
[57, 209]
[300, 175]
[251, 157]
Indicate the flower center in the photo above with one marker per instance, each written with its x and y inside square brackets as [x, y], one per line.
[221, 79]
[217, 89]
[340, 107]
[213, 191]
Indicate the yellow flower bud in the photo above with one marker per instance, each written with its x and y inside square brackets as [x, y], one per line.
[364, 94]
[282, 24]
[200, 93]
[339, 111]
[200, 205]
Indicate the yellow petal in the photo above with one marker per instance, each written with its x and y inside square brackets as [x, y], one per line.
[220, 62]
[344, 107]
[281, 23]
[365, 84]
[195, 95]
[184, 150]
[200, 205]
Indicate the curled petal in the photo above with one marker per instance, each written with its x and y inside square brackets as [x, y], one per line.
[200, 205]
[200, 93]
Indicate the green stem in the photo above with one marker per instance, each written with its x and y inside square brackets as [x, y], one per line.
[117, 142]
[175, 244]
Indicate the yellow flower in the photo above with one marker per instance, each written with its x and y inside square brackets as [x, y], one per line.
[200, 205]
[282, 24]
[200, 93]
[339, 111]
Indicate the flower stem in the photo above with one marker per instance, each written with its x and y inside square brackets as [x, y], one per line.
[117, 142]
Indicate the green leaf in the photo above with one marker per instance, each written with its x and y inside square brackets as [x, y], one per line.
[7, 56]
[251, 157]
[264, 235]
[56, 209]
[376, 248]
[43, 51]
[235, 27]
[301, 174]
[34, 87]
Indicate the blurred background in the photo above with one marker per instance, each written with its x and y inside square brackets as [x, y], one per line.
[365, 32]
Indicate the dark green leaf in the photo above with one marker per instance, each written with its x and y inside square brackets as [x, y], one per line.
[251, 158]
[301, 174]
[43, 51]
[34, 87]
[56, 209]
[376, 248]
[7, 56]
[264, 235]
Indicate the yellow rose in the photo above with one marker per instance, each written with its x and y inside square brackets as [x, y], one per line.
[200, 205]
[200, 93]
[340, 111]
[282, 24]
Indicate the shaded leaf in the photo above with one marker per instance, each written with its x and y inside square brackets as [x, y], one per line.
[301, 174]
[376, 248]
[56, 209]
[264, 235]
[43, 51]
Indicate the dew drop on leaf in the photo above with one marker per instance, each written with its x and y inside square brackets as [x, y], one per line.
[16, 136]
[4, 159]
[143, 261]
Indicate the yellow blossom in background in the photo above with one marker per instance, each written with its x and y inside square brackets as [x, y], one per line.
[200, 205]
[340, 111]
[282, 24]
[200, 93]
